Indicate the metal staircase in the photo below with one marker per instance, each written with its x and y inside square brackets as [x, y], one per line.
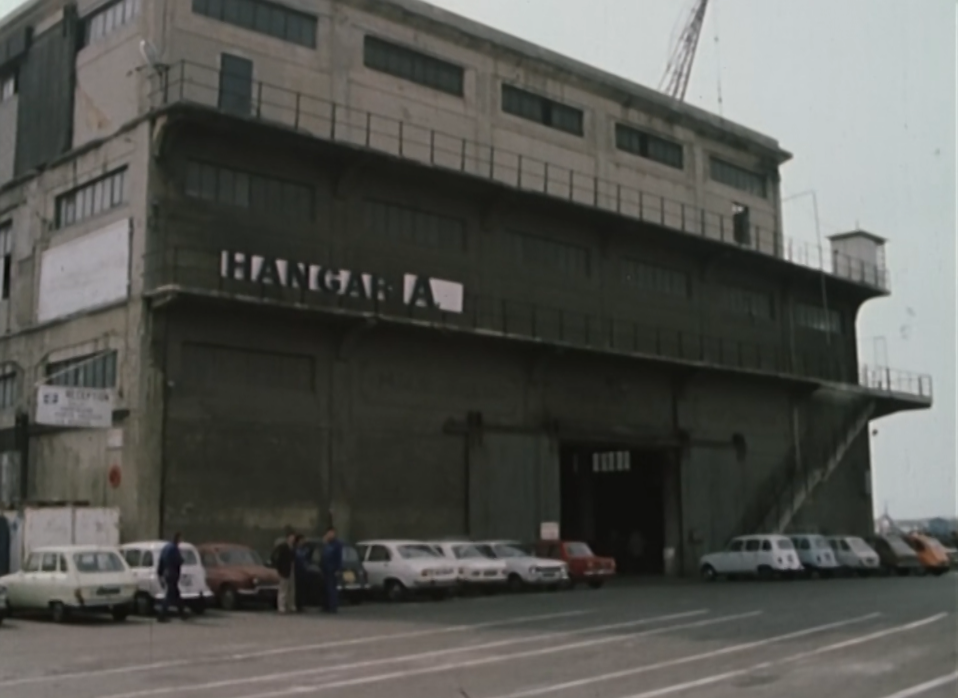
[819, 454]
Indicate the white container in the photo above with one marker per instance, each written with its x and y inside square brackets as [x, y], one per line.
[40, 526]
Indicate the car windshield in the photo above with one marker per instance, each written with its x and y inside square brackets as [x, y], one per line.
[416, 552]
[350, 554]
[820, 543]
[509, 551]
[92, 562]
[785, 544]
[239, 556]
[578, 550]
[858, 545]
[467, 552]
[189, 557]
[899, 546]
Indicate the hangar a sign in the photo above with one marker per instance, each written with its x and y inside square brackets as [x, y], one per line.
[417, 291]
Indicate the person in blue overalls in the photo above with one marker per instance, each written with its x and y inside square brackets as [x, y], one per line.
[331, 563]
[169, 569]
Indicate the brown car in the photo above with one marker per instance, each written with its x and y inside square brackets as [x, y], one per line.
[237, 575]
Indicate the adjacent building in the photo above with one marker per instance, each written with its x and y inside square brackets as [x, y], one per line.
[371, 262]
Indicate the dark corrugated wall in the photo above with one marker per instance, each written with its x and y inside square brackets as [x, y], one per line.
[47, 84]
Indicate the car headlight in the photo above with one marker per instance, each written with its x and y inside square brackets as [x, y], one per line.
[533, 570]
[427, 573]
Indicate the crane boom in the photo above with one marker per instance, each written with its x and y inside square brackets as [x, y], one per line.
[675, 81]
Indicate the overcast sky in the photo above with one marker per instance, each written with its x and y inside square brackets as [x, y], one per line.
[863, 92]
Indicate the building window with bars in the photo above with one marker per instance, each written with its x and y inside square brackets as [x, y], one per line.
[109, 19]
[90, 371]
[408, 226]
[9, 393]
[746, 301]
[738, 177]
[655, 279]
[632, 140]
[817, 318]
[533, 107]
[91, 199]
[405, 63]
[257, 193]
[550, 256]
[269, 18]
[6, 250]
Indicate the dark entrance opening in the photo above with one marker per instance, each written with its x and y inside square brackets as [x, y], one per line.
[614, 499]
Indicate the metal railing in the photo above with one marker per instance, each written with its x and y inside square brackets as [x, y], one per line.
[195, 268]
[190, 83]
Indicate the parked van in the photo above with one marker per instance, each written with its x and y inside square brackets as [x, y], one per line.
[144, 559]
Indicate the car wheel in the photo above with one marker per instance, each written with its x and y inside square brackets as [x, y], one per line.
[59, 612]
[229, 601]
[515, 582]
[143, 603]
[120, 613]
[395, 591]
[708, 573]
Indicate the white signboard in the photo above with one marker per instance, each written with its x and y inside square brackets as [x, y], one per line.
[61, 406]
[549, 530]
[85, 273]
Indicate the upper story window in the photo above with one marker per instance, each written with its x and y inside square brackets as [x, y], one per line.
[6, 255]
[645, 145]
[264, 17]
[815, 317]
[533, 107]
[91, 199]
[8, 386]
[746, 301]
[106, 20]
[656, 279]
[407, 64]
[90, 371]
[550, 255]
[411, 227]
[259, 193]
[738, 177]
[8, 85]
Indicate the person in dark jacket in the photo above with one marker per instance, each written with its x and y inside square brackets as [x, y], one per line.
[169, 569]
[300, 570]
[331, 564]
[283, 559]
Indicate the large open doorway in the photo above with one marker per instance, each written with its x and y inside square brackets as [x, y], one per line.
[614, 499]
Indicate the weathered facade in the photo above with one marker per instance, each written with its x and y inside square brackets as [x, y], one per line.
[387, 266]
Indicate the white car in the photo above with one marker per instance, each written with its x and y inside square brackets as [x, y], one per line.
[71, 579]
[144, 559]
[402, 567]
[762, 555]
[815, 554]
[475, 569]
[854, 554]
[524, 569]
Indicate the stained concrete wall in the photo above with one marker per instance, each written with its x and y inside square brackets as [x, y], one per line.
[8, 138]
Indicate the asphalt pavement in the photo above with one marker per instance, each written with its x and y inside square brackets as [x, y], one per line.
[854, 638]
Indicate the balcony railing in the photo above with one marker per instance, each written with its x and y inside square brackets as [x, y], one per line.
[189, 83]
[199, 269]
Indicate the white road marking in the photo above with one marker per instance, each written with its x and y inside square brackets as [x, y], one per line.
[432, 654]
[925, 687]
[717, 678]
[495, 659]
[589, 680]
[334, 644]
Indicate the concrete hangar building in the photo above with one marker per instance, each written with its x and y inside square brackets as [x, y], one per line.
[371, 260]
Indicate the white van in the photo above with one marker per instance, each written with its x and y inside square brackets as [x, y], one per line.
[144, 558]
[761, 556]
[816, 554]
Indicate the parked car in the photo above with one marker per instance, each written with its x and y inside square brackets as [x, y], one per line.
[143, 559]
[3, 603]
[855, 555]
[815, 554]
[398, 568]
[584, 565]
[523, 569]
[931, 553]
[237, 575]
[72, 579]
[762, 556]
[476, 571]
[353, 582]
[895, 555]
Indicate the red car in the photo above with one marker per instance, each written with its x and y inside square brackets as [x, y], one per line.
[584, 565]
[237, 575]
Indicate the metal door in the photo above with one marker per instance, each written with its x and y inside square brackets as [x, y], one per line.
[513, 485]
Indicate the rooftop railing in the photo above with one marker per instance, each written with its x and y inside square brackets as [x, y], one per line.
[200, 269]
[190, 83]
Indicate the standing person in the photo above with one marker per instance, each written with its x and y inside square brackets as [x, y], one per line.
[300, 568]
[283, 559]
[169, 569]
[331, 563]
